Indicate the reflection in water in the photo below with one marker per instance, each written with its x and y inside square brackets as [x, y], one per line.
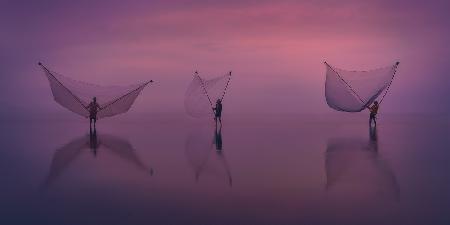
[69, 152]
[218, 138]
[93, 141]
[198, 152]
[358, 163]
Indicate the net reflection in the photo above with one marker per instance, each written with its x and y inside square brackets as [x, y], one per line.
[357, 164]
[65, 155]
[203, 160]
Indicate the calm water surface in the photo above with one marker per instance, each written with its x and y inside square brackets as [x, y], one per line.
[266, 170]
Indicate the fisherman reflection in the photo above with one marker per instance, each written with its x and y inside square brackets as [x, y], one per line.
[119, 147]
[359, 163]
[373, 113]
[218, 138]
[199, 145]
[93, 141]
[373, 138]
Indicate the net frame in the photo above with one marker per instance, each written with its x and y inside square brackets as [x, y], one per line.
[129, 93]
[365, 103]
[204, 84]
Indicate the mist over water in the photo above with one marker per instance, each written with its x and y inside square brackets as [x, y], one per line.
[281, 169]
[282, 156]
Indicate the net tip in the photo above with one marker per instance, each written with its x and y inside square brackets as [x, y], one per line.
[39, 63]
[397, 63]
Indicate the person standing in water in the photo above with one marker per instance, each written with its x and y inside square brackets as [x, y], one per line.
[373, 113]
[218, 111]
[93, 108]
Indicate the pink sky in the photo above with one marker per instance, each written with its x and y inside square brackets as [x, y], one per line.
[275, 50]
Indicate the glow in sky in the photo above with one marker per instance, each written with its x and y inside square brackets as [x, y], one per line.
[276, 50]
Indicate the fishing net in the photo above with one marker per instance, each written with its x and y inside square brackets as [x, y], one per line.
[201, 95]
[76, 95]
[353, 91]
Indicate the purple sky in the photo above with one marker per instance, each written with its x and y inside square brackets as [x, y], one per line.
[275, 49]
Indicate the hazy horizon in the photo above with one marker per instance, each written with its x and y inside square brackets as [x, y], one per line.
[276, 154]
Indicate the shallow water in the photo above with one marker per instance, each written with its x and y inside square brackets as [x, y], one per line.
[282, 169]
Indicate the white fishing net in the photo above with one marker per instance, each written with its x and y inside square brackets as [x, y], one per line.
[76, 95]
[202, 94]
[353, 91]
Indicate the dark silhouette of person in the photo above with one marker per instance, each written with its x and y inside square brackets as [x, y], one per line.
[218, 111]
[373, 113]
[93, 108]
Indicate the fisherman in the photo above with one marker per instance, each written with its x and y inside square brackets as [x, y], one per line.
[373, 113]
[218, 111]
[93, 108]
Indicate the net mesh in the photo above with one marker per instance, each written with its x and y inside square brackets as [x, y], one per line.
[353, 91]
[202, 94]
[76, 95]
